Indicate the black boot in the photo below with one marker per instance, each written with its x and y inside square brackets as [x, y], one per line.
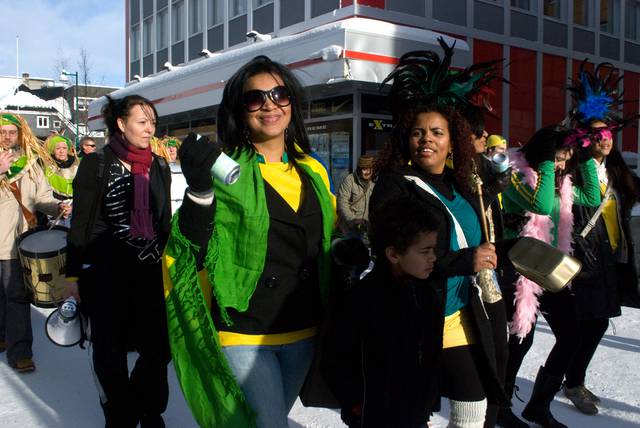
[537, 410]
[507, 419]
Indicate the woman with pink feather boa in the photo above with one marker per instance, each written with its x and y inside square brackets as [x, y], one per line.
[538, 203]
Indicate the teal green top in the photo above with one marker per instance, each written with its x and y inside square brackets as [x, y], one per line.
[519, 197]
[458, 286]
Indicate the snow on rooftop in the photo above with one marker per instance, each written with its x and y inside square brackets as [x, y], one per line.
[8, 86]
[361, 25]
[25, 100]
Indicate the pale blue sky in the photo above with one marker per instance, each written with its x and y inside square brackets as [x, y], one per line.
[50, 29]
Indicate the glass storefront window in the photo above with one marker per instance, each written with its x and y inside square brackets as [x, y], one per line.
[332, 141]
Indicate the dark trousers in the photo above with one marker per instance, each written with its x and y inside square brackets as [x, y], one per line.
[127, 311]
[498, 317]
[557, 309]
[15, 312]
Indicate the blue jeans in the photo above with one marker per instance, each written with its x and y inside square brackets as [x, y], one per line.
[271, 377]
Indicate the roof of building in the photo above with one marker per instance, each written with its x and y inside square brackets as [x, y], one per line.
[354, 49]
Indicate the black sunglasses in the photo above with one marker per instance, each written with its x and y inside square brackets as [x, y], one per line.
[255, 99]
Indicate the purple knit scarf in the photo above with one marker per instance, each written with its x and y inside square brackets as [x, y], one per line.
[140, 161]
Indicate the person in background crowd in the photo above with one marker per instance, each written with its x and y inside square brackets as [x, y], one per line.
[114, 249]
[538, 204]
[87, 145]
[496, 144]
[264, 245]
[608, 275]
[353, 197]
[61, 175]
[23, 190]
[399, 380]
[178, 182]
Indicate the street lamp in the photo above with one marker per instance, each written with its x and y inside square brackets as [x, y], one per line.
[64, 77]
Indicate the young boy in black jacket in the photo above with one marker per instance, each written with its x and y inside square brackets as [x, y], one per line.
[386, 332]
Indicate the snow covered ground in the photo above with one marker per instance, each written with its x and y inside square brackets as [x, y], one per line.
[61, 393]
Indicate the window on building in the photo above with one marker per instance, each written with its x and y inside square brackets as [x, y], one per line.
[583, 12]
[237, 7]
[42, 122]
[258, 3]
[177, 22]
[162, 28]
[632, 20]
[610, 16]
[214, 12]
[147, 36]
[195, 16]
[135, 42]
[554, 8]
[528, 5]
[57, 124]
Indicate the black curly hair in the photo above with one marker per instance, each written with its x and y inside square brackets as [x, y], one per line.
[396, 154]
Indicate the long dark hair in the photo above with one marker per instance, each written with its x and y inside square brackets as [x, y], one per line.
[622, 179]
[120, 108]
[231, 124]
[396, 154]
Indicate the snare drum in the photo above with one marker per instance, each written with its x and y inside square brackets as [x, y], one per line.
[43, 258]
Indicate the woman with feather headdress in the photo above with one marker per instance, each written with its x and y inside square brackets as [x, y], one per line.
[539, 203]
[603, 243]
[426, 99]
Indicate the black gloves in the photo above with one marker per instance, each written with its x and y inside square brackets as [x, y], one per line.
[584, 154]
[197, 156]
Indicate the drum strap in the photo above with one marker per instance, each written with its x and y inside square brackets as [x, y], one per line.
[28, 215]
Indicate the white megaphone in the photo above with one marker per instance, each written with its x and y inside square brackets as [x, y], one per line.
[64, 325]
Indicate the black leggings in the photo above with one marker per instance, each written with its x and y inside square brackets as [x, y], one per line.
[460, 378]
[557, 310]
[576, 340]
[591, 333]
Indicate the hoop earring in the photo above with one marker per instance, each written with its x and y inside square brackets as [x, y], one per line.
[449, 160]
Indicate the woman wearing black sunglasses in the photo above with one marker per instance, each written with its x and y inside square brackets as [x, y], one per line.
[264, 252]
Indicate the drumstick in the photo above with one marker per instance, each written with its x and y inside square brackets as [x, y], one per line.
[57, 219]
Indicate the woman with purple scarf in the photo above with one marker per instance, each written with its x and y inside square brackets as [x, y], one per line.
[114, 248]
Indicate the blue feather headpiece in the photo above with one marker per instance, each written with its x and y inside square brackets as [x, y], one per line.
[595, 96]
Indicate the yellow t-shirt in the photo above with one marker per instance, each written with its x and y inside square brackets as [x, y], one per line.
[285, 179]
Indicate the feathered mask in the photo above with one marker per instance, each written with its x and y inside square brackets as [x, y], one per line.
[595, 97]
[421, 77]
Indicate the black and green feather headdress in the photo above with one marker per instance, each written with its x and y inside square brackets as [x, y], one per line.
[422, 78]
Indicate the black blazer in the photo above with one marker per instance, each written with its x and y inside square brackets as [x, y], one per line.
[89, 233]
[287, 295]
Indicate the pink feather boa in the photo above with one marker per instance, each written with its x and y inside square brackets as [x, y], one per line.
[539, 227]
